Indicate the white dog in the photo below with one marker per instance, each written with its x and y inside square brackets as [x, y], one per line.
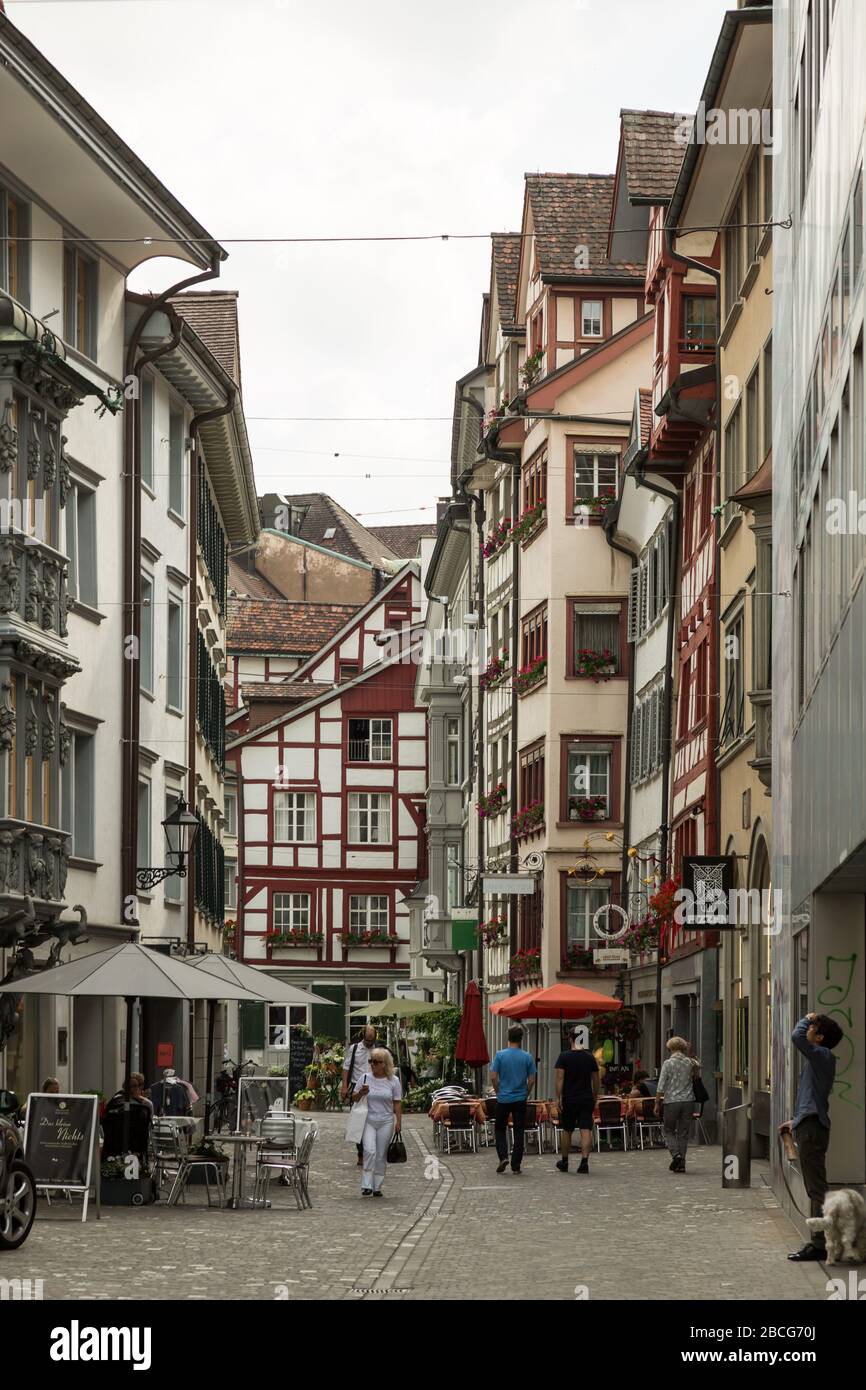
[844, 1223]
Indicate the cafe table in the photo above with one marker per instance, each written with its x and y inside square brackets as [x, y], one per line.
[242, 1145]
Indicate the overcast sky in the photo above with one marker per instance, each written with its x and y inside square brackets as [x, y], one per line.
[278, 118]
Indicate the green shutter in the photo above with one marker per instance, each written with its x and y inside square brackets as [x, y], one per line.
[252, 1028]
[326, 1019]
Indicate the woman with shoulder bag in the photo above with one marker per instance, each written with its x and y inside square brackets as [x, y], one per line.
[676, 1093]
[383, 1094]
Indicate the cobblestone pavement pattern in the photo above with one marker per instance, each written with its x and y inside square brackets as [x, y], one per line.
[447, 1228]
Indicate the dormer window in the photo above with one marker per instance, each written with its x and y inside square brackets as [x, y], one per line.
[590, 318]
[700, 329]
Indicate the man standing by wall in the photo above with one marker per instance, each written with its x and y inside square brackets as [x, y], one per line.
[815, 1036]
[512, 1073]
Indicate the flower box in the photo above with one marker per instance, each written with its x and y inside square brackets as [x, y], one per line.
[529, 521]
[497, 538]
[531, 369]
[494, 672]
[295, 938]
[494, 932]
[527, 820]
[598, 665]
[596, 505]
[525, 964]
[370, 939]
[491, 803]
[532, 675]
[585, 808]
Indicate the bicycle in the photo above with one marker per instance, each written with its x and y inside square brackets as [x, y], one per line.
[223, 1112]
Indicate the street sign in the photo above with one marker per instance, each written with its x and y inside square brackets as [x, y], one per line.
[509, 884]
[609, 956]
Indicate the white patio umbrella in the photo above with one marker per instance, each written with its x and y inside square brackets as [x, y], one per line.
[132, 972]
[259, 983]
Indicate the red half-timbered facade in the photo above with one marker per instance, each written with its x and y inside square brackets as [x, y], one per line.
[682, 451]
[331, 814]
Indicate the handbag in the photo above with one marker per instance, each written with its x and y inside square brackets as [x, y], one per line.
[397, 1149]
[702, 1095]
[357, 1119]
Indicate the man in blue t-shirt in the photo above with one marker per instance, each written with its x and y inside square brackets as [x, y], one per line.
[512, 1073]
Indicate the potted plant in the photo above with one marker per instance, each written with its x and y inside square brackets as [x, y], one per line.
[528, 819]
[599, 502]
[494, 671]
[579, 958]
[494, 932]
[526, 963]
[531, 675]
[125, 1182]
[303, 1100]
[491, 803]
[496, 538]
[531, 369]
[598, 665]
[528, 520]
[588, 808]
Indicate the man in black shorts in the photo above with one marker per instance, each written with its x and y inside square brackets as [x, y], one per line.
[577, 1081]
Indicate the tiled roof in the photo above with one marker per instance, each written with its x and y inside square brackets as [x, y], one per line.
[572, 210]
[213, 315]
[279, 625]
[652, 155]
[350, 536]
[506, 264]
[292, 692]
[248, 585]
[404, 540]
[646, 416]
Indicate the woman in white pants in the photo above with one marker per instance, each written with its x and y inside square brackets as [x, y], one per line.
[384, 1095]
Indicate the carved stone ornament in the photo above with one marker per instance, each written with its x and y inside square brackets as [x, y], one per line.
[34, 447]
[49, 733]
[31, 724]
[7, 718]
[65, 482]
[10, 582]
[34, 594]
[49, 467]
[65, 738]
[8, 438]
[49, 596]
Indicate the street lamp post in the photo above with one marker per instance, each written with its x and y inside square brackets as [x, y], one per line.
[181, 828]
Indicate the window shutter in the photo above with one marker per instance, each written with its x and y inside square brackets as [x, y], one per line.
[660, 725]
[642, 601]
[637, 728]
[633, 594]
[654, 731]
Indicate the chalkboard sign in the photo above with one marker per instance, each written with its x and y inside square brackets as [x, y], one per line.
[59, 1140]
[300, 1055]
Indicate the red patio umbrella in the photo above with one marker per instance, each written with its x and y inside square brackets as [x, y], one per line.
[559, 1001]
[471, 1045]
[504, 1006]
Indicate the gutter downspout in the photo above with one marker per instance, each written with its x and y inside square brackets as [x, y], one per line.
[623, 550]
[713, 715]
[198, 420]
[673, 589]
[131, 679]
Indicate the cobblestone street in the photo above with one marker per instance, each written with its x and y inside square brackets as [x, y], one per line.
[631, 1230]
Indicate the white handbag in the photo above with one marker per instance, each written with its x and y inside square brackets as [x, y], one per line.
[357, 1119]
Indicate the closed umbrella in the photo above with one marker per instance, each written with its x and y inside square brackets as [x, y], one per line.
[132, 972]
[263, 986]
[398, 1008]
[471, 1046]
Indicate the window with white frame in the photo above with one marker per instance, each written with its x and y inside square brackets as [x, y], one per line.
[78, 794]
[146, 408]
[370, 740]
[589, 785]
[174, 655]
[173, 887]
[145, 641]
[591, 318]
[176, 444]
[732, 721]
[648, 587]
[595, 476]
[81, 543]
[294, 817]
[581, 904]
[369, 818]
[291, 912]
[143, 844]
[231, 813]
[647, 735]
[368, 912]
[230, 896]
[452, 876]
[452, 752]
[281, 1018]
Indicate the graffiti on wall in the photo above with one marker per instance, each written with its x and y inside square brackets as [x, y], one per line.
[838, 979]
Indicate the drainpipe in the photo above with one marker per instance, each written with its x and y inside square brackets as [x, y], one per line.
[131, 604]
[198, 420]
[714, 784]
[673, 589]
[626, 827]
[478, 509]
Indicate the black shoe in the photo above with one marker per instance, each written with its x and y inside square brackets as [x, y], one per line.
[366, 1191]
[809, 1252]
[516, 1170]
[674, 1163]
[562, 1165]
[377, 1194]
[284, 1181]
[501, 1167]
[583, 1166]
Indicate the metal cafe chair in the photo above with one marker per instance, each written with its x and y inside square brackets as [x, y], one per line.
[532, 1130]
[460, 1127]
[610, 1121]
[649, 1125]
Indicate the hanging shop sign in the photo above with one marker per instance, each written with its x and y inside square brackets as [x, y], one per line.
[60, 1141]
[707, 898]
[464, 928]
[606, 955]
[509, 884]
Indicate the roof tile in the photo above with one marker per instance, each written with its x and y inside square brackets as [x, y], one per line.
[652, 154]
[572, 210]
[281, 625]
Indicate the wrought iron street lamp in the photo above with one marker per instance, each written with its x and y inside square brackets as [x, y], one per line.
[181, 828]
